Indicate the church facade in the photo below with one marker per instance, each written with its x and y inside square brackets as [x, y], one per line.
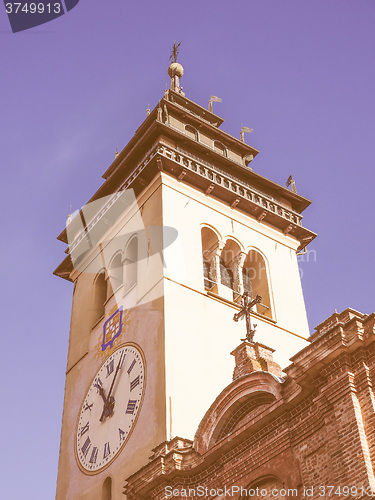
[182, 251]
[310, 434]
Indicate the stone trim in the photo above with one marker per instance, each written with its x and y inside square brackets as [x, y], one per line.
[216, 177]
[228, 181]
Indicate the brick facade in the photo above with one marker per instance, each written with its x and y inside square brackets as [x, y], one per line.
[281, 437]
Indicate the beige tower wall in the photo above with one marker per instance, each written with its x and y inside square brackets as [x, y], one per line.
[185, 333]
[200, 331]
[144, 310]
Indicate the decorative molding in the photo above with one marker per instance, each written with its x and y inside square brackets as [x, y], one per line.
[235, 203]
[215, 175]
[240, 188]
[262, 215]
[182, 175]
[112, 200]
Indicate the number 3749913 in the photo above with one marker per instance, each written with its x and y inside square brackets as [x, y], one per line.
[33, 8]
[345, 491]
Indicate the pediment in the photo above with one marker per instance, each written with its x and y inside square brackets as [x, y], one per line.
[238, 404]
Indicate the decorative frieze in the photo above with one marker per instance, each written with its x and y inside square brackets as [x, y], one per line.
[215, 175]
[239, 187]
[111, 200]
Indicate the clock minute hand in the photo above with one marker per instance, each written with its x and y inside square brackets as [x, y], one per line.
[114, 378]
[108, 405]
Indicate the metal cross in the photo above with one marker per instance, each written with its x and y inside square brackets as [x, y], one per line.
[247, 304]
[175, 51]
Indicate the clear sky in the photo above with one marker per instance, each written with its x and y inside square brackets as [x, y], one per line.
[299, 72]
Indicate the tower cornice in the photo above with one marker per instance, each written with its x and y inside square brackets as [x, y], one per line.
[161, 143]
[200, 174]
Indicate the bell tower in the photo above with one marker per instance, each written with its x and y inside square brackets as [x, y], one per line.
[160, 258]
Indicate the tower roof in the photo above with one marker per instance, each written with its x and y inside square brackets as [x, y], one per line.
[184, 140]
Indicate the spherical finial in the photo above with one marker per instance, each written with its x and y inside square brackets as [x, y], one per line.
[175, 69]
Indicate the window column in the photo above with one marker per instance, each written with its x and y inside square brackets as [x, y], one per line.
[212, 256]
[238, 262]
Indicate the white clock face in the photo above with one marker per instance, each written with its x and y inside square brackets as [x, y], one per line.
[110, 408]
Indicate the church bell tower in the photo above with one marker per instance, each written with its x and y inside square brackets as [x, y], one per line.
[161, 258]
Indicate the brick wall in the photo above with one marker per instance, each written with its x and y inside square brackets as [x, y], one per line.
[314, 428]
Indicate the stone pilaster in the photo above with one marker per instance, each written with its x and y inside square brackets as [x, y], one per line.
[252, 357]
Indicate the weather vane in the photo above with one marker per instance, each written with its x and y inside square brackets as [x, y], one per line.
[175, 51]
[292, 182]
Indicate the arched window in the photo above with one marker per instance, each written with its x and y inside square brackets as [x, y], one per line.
[255, 281]
[226, 274]
[100, 296]
[209, 245]
[220, 148]
[131, 264]
[107, 489]
[228, 268]
[247, 286]
[115, 273]
[191, 132]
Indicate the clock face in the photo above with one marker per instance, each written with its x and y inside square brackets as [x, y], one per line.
[110, 408]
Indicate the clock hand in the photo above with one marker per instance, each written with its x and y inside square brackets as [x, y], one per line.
[114, 378]
[101, 392]
[107, 409]
[109, 404]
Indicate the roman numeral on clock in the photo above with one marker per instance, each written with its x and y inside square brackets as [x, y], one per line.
[131, 406]
[121, 433]
[94, 455]
[134, 383]
[86, 446]
[84, 429]
[131, 366]
[88, 407]
[122, 359]
[110, 367]
[98, 383]
[107, 450]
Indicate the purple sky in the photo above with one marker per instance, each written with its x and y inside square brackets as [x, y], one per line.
[301, 73]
